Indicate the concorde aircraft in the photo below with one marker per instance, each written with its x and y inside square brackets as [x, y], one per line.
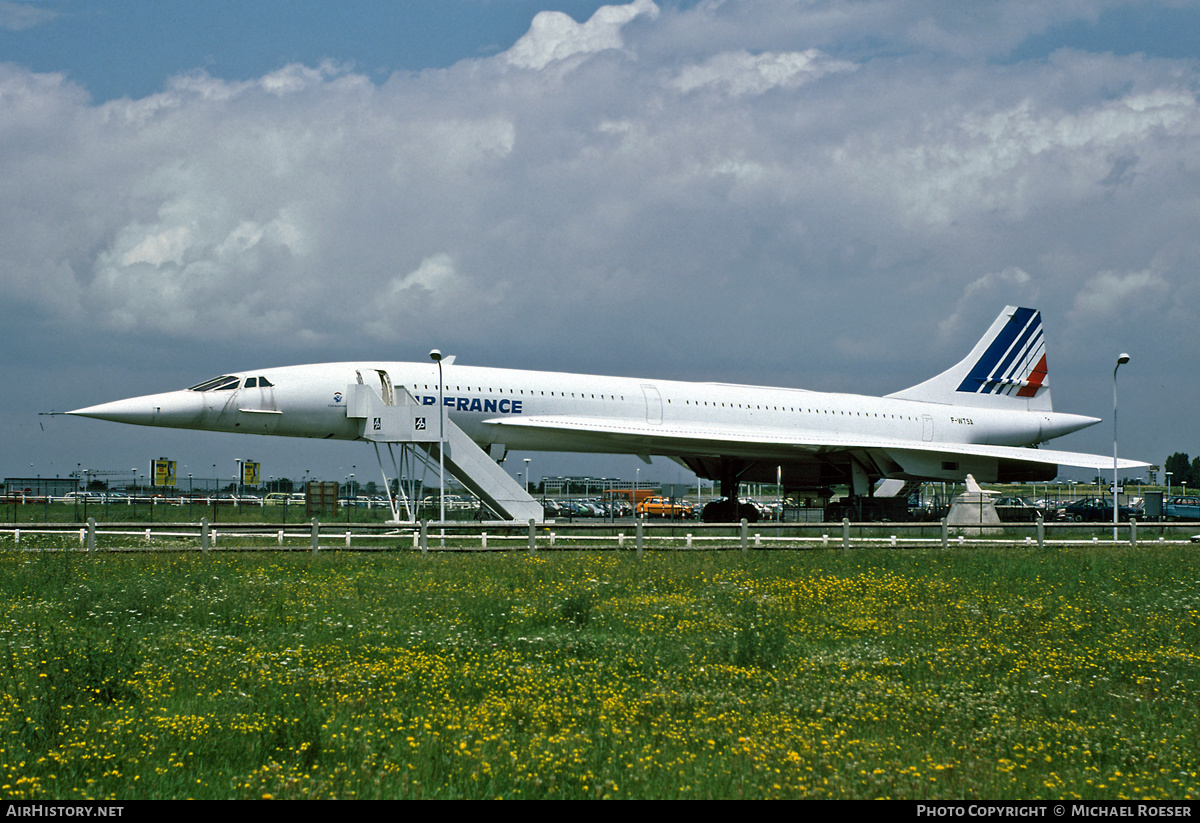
[984, 417]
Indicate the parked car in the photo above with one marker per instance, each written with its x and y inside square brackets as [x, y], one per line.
[1182, 508]
[1019, 510]
[228, 500]
[664, 507]
[284, 499]
[584, 508]
[1097, 510]
[80, 497]
[595, 507]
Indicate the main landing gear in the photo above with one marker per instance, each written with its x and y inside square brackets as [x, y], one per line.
[728, 509]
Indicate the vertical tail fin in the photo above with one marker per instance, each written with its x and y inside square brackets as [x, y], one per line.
[1006, 369]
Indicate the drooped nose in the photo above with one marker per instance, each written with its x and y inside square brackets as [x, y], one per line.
[181, 409]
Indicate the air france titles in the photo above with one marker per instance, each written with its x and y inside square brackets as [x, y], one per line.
[476, 404]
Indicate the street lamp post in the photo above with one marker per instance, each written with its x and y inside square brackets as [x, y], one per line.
[436, 356]
[1123, 359]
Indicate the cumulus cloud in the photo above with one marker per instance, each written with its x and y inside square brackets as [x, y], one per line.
[1010, 159]
[740, 72]
[555, 36]
[925, 27]
[435, 275]
[21, 16]
[981, 297]
[1110, 294]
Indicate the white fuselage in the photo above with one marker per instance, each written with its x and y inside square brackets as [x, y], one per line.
[309, 401]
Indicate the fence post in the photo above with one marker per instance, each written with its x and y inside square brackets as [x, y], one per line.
[91, 538]
[1041, 533]
[203, 534]
[1133, 532]
[846, 533]
[639, 537]
[483, 540]
[532, 536]
[745, 533]
[316, 534]
[945, 534]
[425, 536]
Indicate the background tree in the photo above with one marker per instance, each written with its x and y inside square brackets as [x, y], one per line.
[1177, 464]
[1193, 479]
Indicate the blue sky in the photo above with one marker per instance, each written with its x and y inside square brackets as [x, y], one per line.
[823, 194]
[128, 48]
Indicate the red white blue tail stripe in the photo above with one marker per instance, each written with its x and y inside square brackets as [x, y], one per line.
[1014, 364]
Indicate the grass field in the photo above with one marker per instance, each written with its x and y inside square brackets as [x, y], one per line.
[1003, 673]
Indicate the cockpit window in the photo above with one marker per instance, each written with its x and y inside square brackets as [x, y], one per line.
[252, 382]
[224, 383]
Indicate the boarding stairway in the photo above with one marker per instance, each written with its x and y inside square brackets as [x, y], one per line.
[395, 416]
[897, 488]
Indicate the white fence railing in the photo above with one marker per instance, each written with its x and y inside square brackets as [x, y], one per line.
[633, 535]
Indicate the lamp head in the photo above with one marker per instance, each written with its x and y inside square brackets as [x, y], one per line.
[1123, 359]
[436, 356]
